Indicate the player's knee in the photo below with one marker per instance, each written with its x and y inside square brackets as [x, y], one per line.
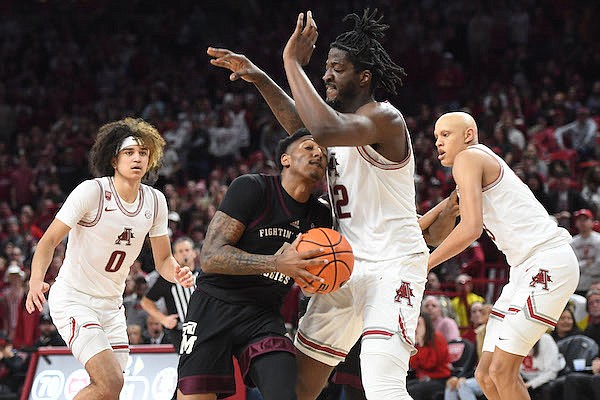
[109, 386]
[483, 378]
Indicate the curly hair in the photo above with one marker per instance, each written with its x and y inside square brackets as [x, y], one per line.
[366, 52]
[111, 135]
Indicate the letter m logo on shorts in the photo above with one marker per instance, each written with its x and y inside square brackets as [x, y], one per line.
[188, 337]
[404, 292]
[125, 236]
[541, 278]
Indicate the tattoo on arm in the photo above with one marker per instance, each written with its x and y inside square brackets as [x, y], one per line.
[220, 256]
[282, 106]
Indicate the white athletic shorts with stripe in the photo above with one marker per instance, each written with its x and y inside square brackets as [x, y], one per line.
[381, 299]
[89, 324]
[532, 301]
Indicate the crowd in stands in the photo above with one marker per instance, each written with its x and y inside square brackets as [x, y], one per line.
[526, 69]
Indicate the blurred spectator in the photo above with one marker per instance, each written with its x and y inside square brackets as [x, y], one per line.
[565, 326]
[593, 328]
[11, 298]
[541, 365]
[586, 245]
[463, 301]
[442, 324]
[564, 200]
[49, 335]
[134, 333]
[154, 332]
[579, 135]
[13, 366]
[133, 308]
[431, 363]
[591, 187]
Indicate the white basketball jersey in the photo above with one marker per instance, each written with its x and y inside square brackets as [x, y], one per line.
[374, 202]
[107, 234]
[514, 219]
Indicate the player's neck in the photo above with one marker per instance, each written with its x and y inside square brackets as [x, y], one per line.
[297, 189]
[127, 189]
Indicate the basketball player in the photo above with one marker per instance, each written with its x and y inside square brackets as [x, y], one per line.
[248, 266]
[107, 219]
[371, 188]
[544, 270]
[175, 296]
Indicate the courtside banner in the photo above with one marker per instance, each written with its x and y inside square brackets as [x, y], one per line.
[151, 374]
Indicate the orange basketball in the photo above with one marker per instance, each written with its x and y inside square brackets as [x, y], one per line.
[339, 253]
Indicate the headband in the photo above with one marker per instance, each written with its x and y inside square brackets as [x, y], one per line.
[129, 141]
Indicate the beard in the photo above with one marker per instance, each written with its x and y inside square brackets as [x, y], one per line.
[343, 97]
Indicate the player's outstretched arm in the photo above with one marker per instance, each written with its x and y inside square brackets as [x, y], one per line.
[468, 174]
[281, 104]
[370, 123]
[42, 257]
[220, 256]
[166, 265]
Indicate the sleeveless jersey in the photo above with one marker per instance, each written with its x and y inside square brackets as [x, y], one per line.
[273, 219]
[107, 234]
[374, 202]
[514, 219]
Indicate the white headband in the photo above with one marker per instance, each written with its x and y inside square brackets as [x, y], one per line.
[129, 141]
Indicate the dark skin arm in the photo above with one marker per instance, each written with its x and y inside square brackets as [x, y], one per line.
[371, 123]
[438, 222]
[280, 103]
[220, 256]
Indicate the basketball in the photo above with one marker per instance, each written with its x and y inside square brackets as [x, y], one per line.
[339, 253]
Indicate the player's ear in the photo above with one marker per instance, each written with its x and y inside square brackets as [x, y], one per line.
[365, 77]
[469, 135]
[285, 160]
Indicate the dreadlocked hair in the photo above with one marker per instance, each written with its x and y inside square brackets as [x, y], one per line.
[109, 139]
[366, 52]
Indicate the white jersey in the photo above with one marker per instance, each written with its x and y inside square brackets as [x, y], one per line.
[107, 234]
[514, 219]
[374, 202]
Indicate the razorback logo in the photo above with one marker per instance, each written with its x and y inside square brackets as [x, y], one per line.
[332, 165]
[125, 236]
[107, 195]
[404, 292]
[541, 278]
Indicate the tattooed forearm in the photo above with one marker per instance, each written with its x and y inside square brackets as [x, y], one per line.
[281, 104]
[219, 256]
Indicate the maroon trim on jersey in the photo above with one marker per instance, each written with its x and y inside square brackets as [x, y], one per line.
[199, 384]
[267, 209]
[280, 195]
[72, 334]
[403, 330]
[394, 165]
[497, 314]
[264, 346]
[92, 325]
[537, 317]
[318, 347]
[100, 207]
[155, 205]
[120, 205]
[120, 347]
[378, 332]
[513, 309]
[500, 175]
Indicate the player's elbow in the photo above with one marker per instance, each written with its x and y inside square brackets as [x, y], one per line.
[207, 263]
[473, 232]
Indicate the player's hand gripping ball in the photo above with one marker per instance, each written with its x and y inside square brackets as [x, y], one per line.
[339, 253]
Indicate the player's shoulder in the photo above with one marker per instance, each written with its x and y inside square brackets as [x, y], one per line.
[89, 187]
[253, 180]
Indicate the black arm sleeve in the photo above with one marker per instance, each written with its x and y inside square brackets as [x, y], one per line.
[244, 198]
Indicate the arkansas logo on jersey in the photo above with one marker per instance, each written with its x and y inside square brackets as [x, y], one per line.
[332, 164]
[541, 278]
[107, 195]
[125, 236]
[404, 292]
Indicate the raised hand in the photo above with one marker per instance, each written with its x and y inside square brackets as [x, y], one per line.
[238, 64]
[301, 44]
[293, 263]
